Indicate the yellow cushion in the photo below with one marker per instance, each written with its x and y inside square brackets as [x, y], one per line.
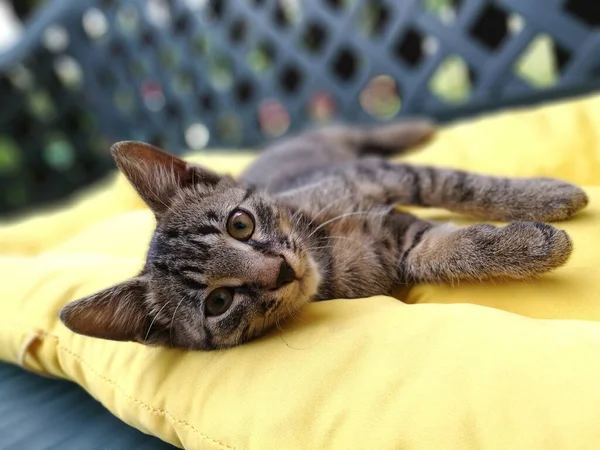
[367, 373]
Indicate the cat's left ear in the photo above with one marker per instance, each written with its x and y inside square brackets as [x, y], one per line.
[158, 176]
[118, 313]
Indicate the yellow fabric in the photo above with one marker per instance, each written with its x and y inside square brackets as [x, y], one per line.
[367, 373]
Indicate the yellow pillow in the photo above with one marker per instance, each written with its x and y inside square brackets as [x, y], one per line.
[366, 373]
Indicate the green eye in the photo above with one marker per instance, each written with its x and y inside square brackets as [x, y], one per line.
[240, 225]
[218, 302]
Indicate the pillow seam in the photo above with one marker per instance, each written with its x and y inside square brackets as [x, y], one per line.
[131, 398]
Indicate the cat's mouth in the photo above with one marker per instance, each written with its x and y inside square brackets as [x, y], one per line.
[297, 279]
[292, 296]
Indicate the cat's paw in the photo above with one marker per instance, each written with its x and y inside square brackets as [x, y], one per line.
[481, 252]
[530, 248]
[554, 200]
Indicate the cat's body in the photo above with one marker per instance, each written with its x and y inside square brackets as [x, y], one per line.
[313, 219]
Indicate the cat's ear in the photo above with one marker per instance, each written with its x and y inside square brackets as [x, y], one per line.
[118, 313]
[157, 176]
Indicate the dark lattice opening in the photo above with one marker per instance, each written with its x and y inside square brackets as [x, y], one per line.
[147, 38]
[562, 56]
[117, 50]
[22, 126]
[182, 24]
[74, 122]
[491, 27]
[5, 84]
[409, 48]
[336, 5]
[374, 17]
[314, 37]
[290, 79]
[172, 111]
[106, 79]
[215, 9]
[262, 57]
[587, 11]
[345, 64]
[286, 14]
[238, 31]
[244, 91]
[206, 102]
[199, 44]
[107, 3]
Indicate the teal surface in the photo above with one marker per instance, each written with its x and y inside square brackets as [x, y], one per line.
[37, 413]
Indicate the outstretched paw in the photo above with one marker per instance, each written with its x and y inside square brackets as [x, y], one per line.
[481, 252]
[560, 200]
[546, 200]
[534, 247]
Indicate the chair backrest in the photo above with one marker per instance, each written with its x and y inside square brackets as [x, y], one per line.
[185, 74]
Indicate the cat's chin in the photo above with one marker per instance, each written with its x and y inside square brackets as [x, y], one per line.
[293, 296]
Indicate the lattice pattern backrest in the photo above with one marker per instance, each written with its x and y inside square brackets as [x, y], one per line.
[190, 73]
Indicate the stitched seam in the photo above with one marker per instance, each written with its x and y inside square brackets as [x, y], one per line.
[146, 406]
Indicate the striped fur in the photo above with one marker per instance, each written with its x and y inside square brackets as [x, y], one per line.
[324, 201]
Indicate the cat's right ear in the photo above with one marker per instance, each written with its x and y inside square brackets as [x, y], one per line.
[117, 313]
[158, 176]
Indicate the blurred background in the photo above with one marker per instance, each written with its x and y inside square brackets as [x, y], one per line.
[209, 75]
[226, 75]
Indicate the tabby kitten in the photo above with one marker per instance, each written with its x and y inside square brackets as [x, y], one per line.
[313, 219]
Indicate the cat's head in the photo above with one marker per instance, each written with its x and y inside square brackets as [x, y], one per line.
[223, 265]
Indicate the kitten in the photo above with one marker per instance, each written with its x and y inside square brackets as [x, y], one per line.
[313, 219]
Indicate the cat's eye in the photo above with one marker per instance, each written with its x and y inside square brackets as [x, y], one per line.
[240, 225]
[218, 302]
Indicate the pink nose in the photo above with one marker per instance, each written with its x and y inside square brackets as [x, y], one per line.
[270, 272]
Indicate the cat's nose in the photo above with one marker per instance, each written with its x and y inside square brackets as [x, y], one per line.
[286, 274]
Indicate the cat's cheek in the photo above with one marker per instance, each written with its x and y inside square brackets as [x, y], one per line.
[311, 280]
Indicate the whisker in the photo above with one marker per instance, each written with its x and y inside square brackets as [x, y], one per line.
[173, 319]
[154, 319]
[296, 216]
[293, 314]
[329, 205]
[320, 246]
[341, 216]
[303, 188]
[354, 241]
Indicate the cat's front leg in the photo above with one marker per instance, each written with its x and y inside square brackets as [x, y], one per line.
[447, 254]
